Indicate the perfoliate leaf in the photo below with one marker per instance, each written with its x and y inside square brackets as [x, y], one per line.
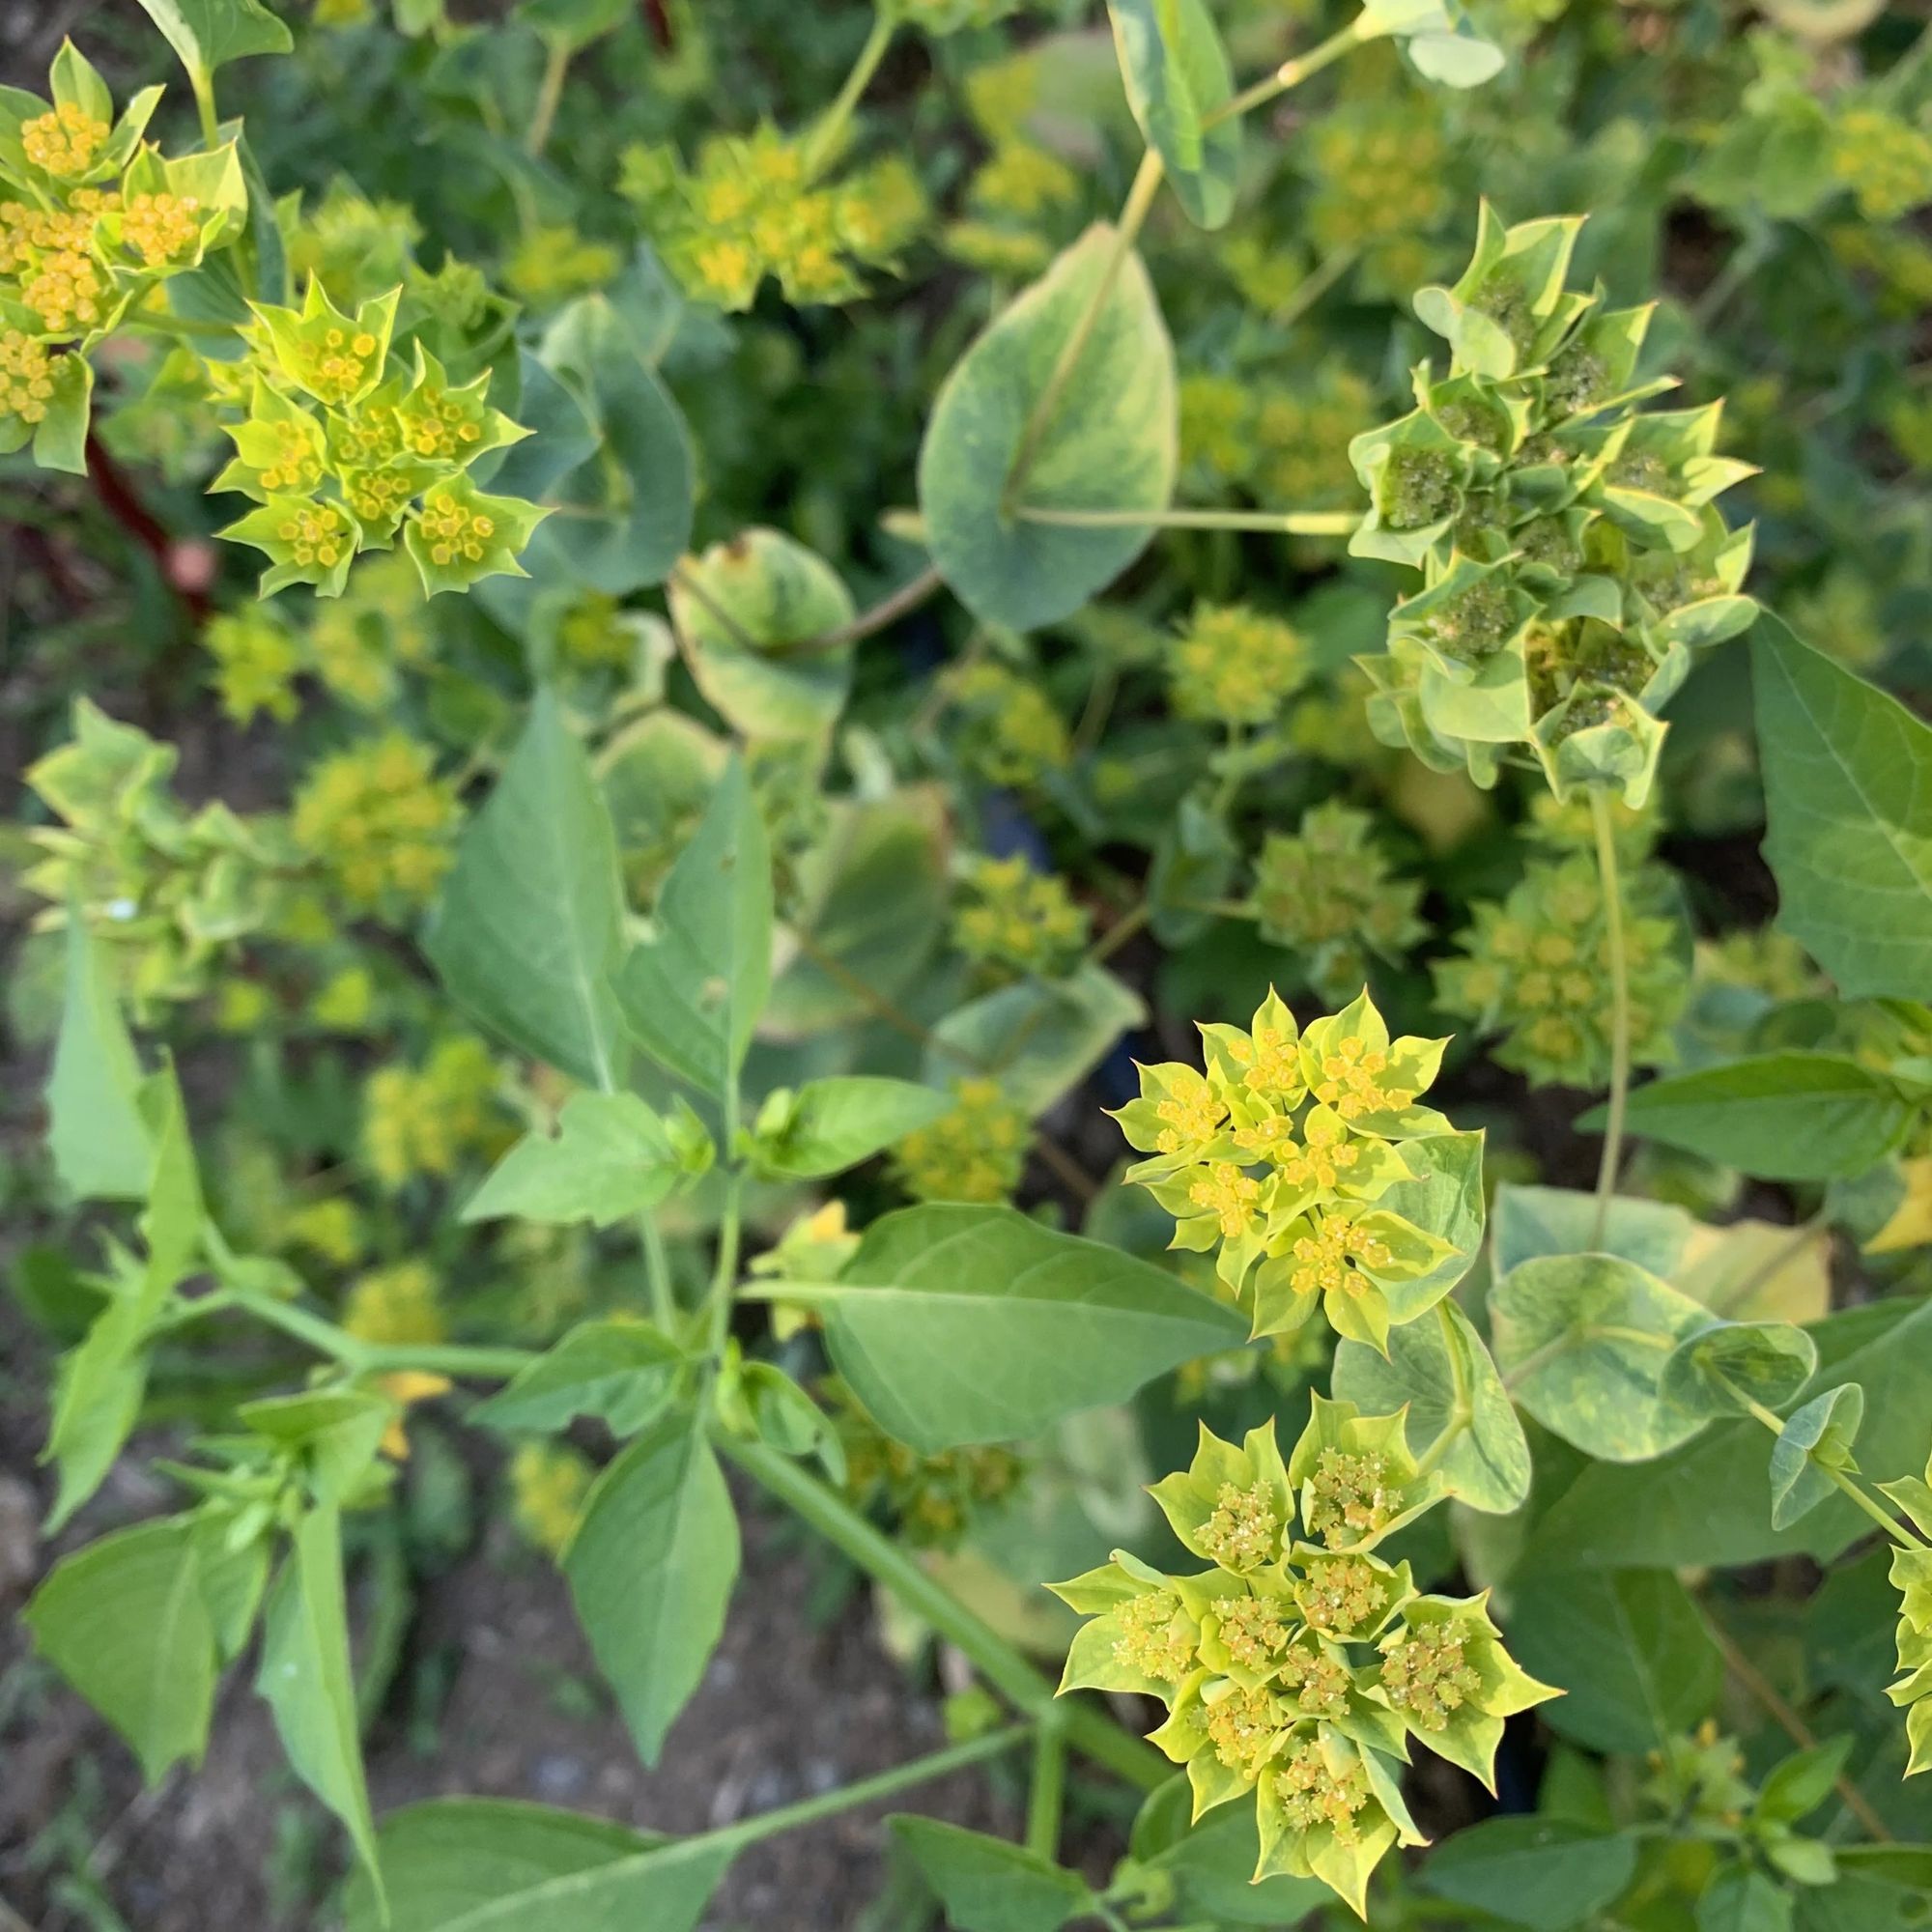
[1108, 445]
[1722, 1369]
[651, 1569]
[692, 995]
[124, 1620]
[480, 1865]
[957, 1324]
[1847, 771]
[305, 1677]
[1038, 1038]
[530, 927]
[1177, 78]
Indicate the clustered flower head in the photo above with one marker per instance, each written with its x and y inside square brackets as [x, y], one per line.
[379, 821]
[1571, 550]
[1298, 1668]
[754, 206]
[171, 890]
[91, 219]
[975, 1152]
[345, 452]
[422, 1121]
[1019, 920]
[1276, 1155]
[1885, 160]
[1328, 892]
[1379, 166]
[1912, 1577]
[401, 1303]
[1277, 442]
[549, 1482]
[1008, 731]
[1533, 968]
[1232, 665]
[931, 1499]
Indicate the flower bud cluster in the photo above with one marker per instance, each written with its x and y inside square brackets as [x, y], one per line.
[1296, 1670]
[1571, 554]
[931, 1499]
[975, 1152]
[1007, 730]
[1533, 968]
[754, 206]
[379, 821]
[1328, 892]
[1279, 442]
[423, 1120]
[1232, 665]
[1019, 921]
[1276, 1156]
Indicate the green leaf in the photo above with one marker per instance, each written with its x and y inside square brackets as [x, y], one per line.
[831, 1125]
[621, 1372]
[1820, 1434]
[305, 1677]
[336, 1430]
[531, 924]
[611, 1156]
[987, 1885]
[207, 33]
[957, 1324]
[100, 1143]
[124, 1620]
[1628, 1646]
[651, 1569]
[1847, 773]
[1779, 1116]
[1532, 1222]
[1109, 443]
[692, 995]
[1038, 1039]
[1740, 1900]
[1722, 1369]
[1545, 1873]
[1178, 78]
[1582, 1341]
[1439, 1367]
[1211, 1861]
[492, 1864]
[1796, 1785]
[740, 611]
[98, 1391]
[1703, 1504]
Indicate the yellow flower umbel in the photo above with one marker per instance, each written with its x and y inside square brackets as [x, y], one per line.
[257, 659]
[1010, 732]
[1019, 920]
[1884, 160]
[1231, 664]
[379, 821]
[396, 1306]
[1277, 1157]
[931, 1499]
[549, 1482]
[422, 1121]
[975, 1152]
[1293, 1675]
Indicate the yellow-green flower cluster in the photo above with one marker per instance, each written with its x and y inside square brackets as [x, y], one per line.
[549, 1482]
[1328, 894]
[1280, 1157]
[1008, 731]
[91, 219]
[171, 890]
[1020, 199]
[1279, 442]
[344, 453]
[257, 659]
[975, 1152]
[1019, 920]
[379, 822]
[754, 206]
[554, 262]
[1297, 1669]
[1885, 160]
[1533, 968]
[1379, 168]
[1571, 550]
[1233, 664]
[1912, 1577]
[401, 1303]
[423, 1120]
[931, 1499]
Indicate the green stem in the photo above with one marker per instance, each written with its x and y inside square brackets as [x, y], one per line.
[822, 143]
[1620, 1019]
[862, 1791]
[321, 1335]
[550, 92]
[1088, 1727]
[725, 1277]
[1290, 73]
[1047, 1793]
[1848, 1486]
[203, 83]
[889, 609]
[1288, 524]
[1312, 286]
[446, 1359]
[657, 1270]
[1140, 198]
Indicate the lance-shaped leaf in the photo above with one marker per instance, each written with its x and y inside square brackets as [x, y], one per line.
[1179, 82]
[1038, 1038]
[1107, 440]
[622, 1372]
[611, 1156]
[100, 1142]
[831, 1125]
[691, 994]
[1847, 780]
[125, 1621]
[1815, 1439]
[1582, 1341]
[651, 1569]
[957, 1324]
[529, 927]
[1547, 1874]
